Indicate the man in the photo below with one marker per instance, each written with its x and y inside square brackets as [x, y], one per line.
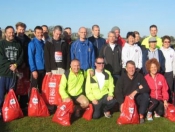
[67, 35]
[153, 52]
[83, 50]
[133, 84]
[96, 40]
[56, 53]
[36, 58]
[0, 34]
[119, 39]
[153, 33]
[72, 86]
[45, 33]
[112, 56]
[24, 41]
[11, 57]
[99, 90]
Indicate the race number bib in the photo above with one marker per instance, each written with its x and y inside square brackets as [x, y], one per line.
[58, 56]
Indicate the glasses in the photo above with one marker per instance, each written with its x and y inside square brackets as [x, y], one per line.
[166, 41]
[100, 63]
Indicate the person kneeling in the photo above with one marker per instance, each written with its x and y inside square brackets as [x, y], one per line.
[72, 85]
[99, 89]
[133, 84]
[159, 89]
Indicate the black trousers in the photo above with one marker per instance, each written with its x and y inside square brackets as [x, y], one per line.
[142, 101]
[104, 105]
[169, 79]
[37, 83]
[156, 105]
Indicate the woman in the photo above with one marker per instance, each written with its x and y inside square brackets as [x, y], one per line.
[158, 89]
[169, 55]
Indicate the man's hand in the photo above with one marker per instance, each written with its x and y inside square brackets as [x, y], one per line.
[132, 95]
[109, 98]
[67, 100]
[91, 72]
[140, 86]
[49, 73]
[165, 104]
[121, 107]
[13, 67]
[95, 102]
[35, 74]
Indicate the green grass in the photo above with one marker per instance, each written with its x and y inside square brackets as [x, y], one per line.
[31, 124]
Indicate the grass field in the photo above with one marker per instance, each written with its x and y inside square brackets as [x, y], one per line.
[28, 124]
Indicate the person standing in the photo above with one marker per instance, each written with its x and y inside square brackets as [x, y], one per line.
[36, 58]
[56, 53]
[96, 40]
[11, 57]
[153, 33]
[83, 50]
[46, 36]
[169, 55]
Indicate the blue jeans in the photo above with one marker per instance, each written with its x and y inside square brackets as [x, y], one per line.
[5, 84]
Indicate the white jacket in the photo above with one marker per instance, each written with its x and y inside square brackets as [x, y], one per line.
[132, 52]
[169, 55]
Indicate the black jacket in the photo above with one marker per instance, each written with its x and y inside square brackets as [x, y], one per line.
[98, 44]
[113, 61]
[125, 86]
[49, 56]
[24, 45]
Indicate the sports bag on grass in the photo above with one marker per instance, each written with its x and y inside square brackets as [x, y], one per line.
[170, 112]
[129, 114]
[11, 109]
[63, 114]
[37, 106]
[88, 113]
[50, 89]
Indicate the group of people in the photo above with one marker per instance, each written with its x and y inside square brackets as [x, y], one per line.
[94, 70]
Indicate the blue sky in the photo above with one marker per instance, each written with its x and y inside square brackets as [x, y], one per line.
[129, 15]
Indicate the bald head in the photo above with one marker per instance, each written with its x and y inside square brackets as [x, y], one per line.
[82, 32]
[75, 66]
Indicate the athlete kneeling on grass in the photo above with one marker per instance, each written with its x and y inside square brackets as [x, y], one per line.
[158, 89]
[99, 89]
[72, 87]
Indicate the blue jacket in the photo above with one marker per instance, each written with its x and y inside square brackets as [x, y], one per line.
[98, 43]
[36, 55]
[84, 52]
[161, 60]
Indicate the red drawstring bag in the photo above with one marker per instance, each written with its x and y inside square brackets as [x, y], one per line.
[129, 114]
[88, 113]
[170, 112]
[50, 89]
[11, 109]
[63, 114]
[37, 106]
[23, 83]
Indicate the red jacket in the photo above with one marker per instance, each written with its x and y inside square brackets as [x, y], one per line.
[120, 41]
[158, 87]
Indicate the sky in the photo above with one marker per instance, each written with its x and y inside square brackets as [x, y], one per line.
[129, 15]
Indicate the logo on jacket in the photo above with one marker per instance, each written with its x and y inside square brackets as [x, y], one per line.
[136, 50]
[171, 56]
[159, 83]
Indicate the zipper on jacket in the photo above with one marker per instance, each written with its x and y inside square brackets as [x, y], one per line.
[155, 82]
[97, 43]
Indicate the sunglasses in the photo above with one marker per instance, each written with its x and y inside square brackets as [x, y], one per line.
[100, 62]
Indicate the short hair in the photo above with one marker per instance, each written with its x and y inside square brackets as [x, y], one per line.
[152, 61]
[81, 28]
[75, 60]
[130, 62]
[136, 32]
[45, 26]
[166, 37]
[21, 24]
[111, 32]
[58, 27]
[38, 27]
[8, 28]
[95, 26]
[98, 58]
[130, 34]
[153, 26]
[67, 28]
